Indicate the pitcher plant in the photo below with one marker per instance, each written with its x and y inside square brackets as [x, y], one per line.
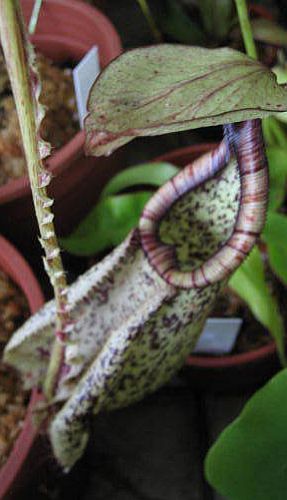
[127, 324]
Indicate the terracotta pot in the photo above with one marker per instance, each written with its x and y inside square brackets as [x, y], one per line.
[13, 264]
[66, 30]
[232, 372]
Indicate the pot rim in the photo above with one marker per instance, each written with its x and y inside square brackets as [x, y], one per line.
[16, 267]
[232, 359]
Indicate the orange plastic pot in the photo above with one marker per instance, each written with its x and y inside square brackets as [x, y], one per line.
[13, 264]
[66, 30]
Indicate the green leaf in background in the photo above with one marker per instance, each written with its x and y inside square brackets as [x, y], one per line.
[113, 217]
[217, 17]
[269, 32]
[249, 459]
[169, 88]
[152, 173]
[275, 236]
[107, 224]
[250, 284]
[273, 131]
[277, 160]
[174, 22]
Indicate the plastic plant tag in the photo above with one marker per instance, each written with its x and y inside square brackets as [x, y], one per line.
[218, 336]
[84, 75]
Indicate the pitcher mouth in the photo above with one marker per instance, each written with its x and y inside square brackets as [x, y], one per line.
[244, 143]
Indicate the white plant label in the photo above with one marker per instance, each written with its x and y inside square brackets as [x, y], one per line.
[84, 75]
[218, 336]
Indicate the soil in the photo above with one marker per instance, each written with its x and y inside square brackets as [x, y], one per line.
[14, 311]
[58, 127]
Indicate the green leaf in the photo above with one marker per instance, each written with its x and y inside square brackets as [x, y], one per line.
[277, 160]
[269, 32]
[153, 173]
[174, 22]
[273, 131]
[250, 284]
[217, 16]
[107, 224]
[249, 459]
[275, 236]
[169, 88]
[114, 216]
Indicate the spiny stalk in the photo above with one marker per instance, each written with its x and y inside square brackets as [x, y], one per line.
[20, 60]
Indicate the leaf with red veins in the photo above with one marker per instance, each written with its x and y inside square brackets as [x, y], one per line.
[171, 88]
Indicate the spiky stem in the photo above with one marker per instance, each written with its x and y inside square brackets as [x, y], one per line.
[19, 57]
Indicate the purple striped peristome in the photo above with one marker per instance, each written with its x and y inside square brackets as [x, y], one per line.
[245, 141]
